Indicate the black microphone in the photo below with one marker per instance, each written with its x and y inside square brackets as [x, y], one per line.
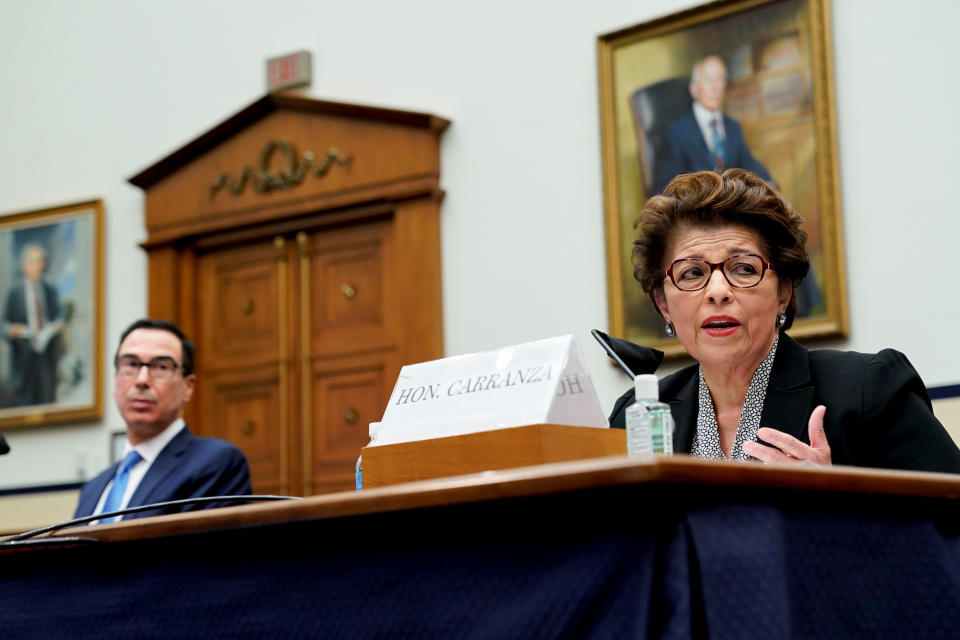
[632, 358]
[19, 538]
[4, 447]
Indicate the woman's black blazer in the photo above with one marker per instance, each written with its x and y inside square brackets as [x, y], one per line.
[878, 410]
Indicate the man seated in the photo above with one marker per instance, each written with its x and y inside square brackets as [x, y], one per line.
[162, 460]
[704, 138]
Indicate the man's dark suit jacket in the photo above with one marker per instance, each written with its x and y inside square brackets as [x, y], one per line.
[188, 467]
[878, 411]
[686, 151]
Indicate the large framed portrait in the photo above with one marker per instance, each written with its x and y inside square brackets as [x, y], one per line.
[51, 289]
[763, 68]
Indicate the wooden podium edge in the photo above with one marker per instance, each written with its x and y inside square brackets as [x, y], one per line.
[491, 450]
[532, 481]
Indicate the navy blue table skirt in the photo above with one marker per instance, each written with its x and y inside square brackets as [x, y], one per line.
[624, 562]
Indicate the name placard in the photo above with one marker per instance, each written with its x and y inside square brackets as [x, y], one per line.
[532, 383]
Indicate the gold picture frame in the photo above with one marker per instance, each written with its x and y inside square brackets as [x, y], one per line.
[780, 94]
[51, 318]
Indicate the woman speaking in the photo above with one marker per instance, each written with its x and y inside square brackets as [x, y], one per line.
[721, 256]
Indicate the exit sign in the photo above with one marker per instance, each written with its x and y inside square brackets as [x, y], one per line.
[286, 72]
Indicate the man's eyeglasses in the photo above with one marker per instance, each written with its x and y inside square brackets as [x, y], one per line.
[742, 271]
[160, 368]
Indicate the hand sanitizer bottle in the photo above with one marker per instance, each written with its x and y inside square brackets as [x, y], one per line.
[649, 421]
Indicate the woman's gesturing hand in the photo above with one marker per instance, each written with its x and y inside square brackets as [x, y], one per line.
[786, 449]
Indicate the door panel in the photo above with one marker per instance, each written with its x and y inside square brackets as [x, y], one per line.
[346, 401]
[242, 385]
[243, 407]
[350, 290]
[239, 306]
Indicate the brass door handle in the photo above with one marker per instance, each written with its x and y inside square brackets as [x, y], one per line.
[348, 290]
[351, 415]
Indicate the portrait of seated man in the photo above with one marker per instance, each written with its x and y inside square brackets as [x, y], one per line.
[685, 135]
[703, 137]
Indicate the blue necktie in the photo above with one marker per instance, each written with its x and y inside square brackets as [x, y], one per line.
[719, 152]
[115, 497]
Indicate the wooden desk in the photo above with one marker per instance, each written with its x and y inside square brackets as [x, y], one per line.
[611, 547]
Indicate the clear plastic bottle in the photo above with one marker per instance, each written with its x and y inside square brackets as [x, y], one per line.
[649, 421]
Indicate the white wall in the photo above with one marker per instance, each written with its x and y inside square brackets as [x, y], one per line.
[93, 92]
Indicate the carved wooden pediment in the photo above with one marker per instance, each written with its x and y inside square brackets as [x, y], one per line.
[284, 151]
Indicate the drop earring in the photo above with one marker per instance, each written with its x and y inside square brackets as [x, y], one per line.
[670, 330]
[781, 320]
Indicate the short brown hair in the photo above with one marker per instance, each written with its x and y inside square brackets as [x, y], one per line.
[711, 199]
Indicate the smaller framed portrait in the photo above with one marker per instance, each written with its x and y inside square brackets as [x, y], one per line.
[51, 301]
[118, 440]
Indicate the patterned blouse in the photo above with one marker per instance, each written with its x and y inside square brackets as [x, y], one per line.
[706, 441]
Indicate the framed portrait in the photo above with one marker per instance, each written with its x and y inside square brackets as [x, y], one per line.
[118, 440]
[763, 69]
[51, 289]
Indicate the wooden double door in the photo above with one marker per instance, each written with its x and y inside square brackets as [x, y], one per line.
[298, 243]
[297, 349]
